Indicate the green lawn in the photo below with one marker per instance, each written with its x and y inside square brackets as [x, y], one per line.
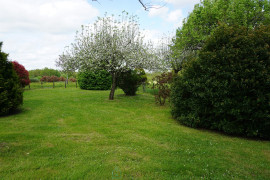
[50, 85]
[77, 134]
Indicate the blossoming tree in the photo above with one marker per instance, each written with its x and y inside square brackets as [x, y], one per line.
[114, 44]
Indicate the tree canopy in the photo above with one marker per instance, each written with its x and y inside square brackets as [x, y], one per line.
[44, 72]
[208, 14]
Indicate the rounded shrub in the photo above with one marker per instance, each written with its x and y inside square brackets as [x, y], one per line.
[11, 93]
[53, 79]
[95, 80]
[228, 87]
[130, 81]
[72, 79]
[22, 73]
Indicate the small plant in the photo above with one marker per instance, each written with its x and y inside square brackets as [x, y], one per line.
[162, 83]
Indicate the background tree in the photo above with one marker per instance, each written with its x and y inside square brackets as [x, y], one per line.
[164, 53]
[11, 96]
[112, 44]
[22, 73]
[207, 15]
[44, 72]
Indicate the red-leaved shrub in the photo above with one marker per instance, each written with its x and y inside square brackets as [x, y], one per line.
[44, 78]
[72, 79]
[22, 73]
[50, 79]
[53, 79]
[62, 78]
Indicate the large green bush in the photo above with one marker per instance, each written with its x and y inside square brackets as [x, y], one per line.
[95, 80]
[130, 81]
[11, 96]
[228, 87]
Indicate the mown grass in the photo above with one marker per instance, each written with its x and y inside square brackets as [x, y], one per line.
[49, 85]
[78, 134]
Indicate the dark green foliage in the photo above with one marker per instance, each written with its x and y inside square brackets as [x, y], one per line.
[164, 88]
[11, 96]
[130, 81]
[95, 80]
[228, 87]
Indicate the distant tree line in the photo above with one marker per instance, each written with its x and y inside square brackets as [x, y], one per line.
[44, 72]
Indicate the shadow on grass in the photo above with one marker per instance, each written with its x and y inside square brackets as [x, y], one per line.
[22, 109]
[221, 133]
[14, 112]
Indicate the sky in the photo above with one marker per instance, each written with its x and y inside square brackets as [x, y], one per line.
[35, 32]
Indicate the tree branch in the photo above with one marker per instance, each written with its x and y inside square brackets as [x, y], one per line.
[145, 8]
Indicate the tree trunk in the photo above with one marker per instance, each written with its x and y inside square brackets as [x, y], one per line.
[111, 97]
[67, 79]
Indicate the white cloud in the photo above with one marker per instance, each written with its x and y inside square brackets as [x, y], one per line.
[36, 50]
[50, 16]
[173, 11]
[35, 32]
[175, 16]
[158, 11]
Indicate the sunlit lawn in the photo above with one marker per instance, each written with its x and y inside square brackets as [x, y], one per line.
[77, 134]
[49, 85]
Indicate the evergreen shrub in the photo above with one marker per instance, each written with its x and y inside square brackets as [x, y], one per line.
[228, 87]
[131, 80]
[11, 93]
[94, 80]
